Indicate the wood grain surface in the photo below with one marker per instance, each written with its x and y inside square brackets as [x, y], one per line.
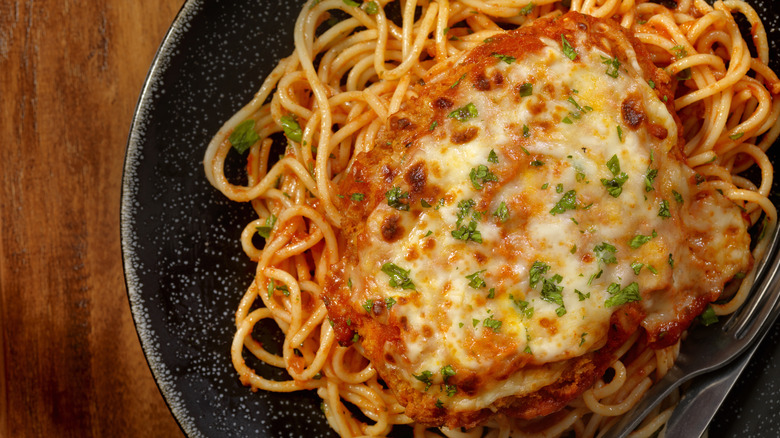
[71, 364]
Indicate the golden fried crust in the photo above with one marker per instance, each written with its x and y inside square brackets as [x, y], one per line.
[375, 172]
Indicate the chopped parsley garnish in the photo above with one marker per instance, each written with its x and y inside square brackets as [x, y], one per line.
[494, 324]
[502, 212]
[651, 83]
[620, 133]
[425, 377]
[244, 136]
[469, 111]
[552, 292]
[671, 260]
[677, 197]
[394, 197]
[568, 50]
[708, 317]
[505, 58]
[357, 197]
[567, 202]
[526, 89]
[650, 178]
[425, 203]
[433, 125]
[736, 136]
[559, 188]
[620, 296]
[399, 277]
[614, 186]
[351, 3]
[372, 8]
[582, 338]
[663, 211]
[527, 9]
[679, 52]
[582, 296]
[446, 372]
[538, 269]
[526, 132]
[523, 305]
[491, 293]
[613, 66]
[390, 302]
[451, 390]
[640, 240]
[368, 305]
[291, 128]
[480, 175]
[468, 232]
[493, 157]
[537, 163]
[637, 267]
[265, 231]
[605, 253]
[463, 76]
[475, 280]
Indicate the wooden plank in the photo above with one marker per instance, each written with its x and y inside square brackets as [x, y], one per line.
[70, 75]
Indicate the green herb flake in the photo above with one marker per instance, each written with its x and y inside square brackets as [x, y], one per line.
[567, 202]
[613, 66]
[538, 269]
[399, 277]
[265, 231]
[620, 133]
[371, 8]
[736, 136]
[651, 83]
[708, 317]
[663, 211]
[526, 131]
[582, 296]
[463, 76]
[469, 111]
[568, 50]
[526, 89]
[368, 305]
[605, 253]
[620, 296]
[492, 323]
[480, 175]
[671, 260]
[244, 136]
[639, 240]
[679, 52]
[527, 9]
[475, 281]
[492, 157]
[394, 197]
[637, 267]
[425, 377]
[505, 58]
[357, 197]
[650, 178]
[502, 212]
[291, 128]
[433, 125]
[446, 372]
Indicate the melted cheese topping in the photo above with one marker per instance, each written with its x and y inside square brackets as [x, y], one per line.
[520, 262]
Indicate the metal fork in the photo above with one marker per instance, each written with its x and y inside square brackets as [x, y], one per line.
[709, 348]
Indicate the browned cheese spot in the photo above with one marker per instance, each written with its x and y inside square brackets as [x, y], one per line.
[482, 83]
[464, 135]
[400, 123]
[658, 131]
[378, 307]
[442, 103]
[550, 325]
[388, 173]
[498, 78]
[416, 177]
[633, 113]
[391, 231]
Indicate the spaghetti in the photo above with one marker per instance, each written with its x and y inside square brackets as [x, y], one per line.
[332, 97]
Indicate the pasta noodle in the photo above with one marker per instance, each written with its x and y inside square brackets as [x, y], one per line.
[335, 92]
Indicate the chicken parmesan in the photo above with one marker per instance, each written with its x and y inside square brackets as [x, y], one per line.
[522, 217]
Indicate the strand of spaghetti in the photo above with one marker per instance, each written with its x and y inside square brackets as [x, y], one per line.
[248, 377]
[623, 406]
[761, 160]
[346, 375]
[601, 390]
[381, 42]
[260, 96]
[650, 428]
[442, 26]
[303, 36]
[334, 411]
[370, 403]
[426, 24]
[326, 341]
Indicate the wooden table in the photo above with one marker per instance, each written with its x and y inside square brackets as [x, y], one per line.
[71, 364]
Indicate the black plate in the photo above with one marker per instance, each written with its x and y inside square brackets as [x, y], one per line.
[184, 267]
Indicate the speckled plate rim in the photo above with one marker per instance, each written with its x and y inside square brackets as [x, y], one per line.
[146, 335]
